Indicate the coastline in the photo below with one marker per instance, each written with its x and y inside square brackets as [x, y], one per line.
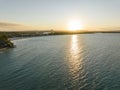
[18, 38]
[6, 48]
[15, 38]
[3, 49]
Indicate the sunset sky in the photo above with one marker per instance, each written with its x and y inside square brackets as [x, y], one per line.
[57, 14]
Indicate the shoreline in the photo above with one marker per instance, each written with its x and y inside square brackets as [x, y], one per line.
[18, 38]
[3, 49]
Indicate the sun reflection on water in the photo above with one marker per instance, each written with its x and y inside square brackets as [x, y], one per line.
[75, 57]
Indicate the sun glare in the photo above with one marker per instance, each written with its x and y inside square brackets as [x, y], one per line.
[74, 25]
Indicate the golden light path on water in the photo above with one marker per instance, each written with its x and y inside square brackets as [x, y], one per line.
[75, 59]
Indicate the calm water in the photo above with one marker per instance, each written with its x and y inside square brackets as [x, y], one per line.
[68, 62]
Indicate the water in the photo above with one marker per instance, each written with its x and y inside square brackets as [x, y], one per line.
[68, 62]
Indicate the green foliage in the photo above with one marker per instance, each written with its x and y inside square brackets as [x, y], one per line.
[5, 42]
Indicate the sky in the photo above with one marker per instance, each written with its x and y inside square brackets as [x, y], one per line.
[56, 14]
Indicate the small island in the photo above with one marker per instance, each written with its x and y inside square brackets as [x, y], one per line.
[5, 42]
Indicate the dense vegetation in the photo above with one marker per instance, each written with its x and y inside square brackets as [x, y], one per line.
[5, 42]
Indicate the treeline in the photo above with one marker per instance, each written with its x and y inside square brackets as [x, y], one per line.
[43, 33]
[22, 34]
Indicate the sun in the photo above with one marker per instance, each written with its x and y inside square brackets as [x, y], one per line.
[75, 25]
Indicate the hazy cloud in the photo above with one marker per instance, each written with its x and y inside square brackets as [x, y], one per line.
[6, 24]
[13, 26]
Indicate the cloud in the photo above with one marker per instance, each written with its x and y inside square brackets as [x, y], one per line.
[6, 24]
[13, 26]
